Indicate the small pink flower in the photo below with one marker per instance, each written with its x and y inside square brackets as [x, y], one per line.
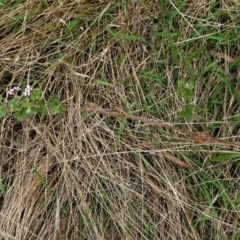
[27, 91]
[17, 89]
[13, 90]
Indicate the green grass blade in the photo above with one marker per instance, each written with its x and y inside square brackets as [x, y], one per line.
[120, 131]
[42, 180]
[2, 188]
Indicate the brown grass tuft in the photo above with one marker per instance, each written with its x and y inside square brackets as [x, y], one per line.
[132, 169]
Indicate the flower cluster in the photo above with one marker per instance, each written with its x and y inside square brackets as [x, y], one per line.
[26, 92]
[14, 90]
[29, 102]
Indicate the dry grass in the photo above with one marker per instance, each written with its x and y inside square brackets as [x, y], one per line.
[132, 168]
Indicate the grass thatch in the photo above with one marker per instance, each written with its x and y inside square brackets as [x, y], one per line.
[148, 146]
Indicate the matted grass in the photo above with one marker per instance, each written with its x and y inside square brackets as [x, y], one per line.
[148, 147]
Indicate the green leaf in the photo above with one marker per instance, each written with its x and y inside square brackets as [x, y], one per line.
[186, 93]
[26, 105]
[14, 105]
[36, 94]
[19, 116]
[61, 55]
[1, 97]
[150, 110]
[113, 33]
[12, 102]
[120, 131]
[53, 102]
[28, 110]
[2, 188]
[130, 37]
[165, 7]
[105, 83]
[3, 111]
[41, 109]
[187, 112]
[225, 157]
[181, 84]
[42, 180]
[62, 109]
[155, 77]
[185, 90]
[73, 24]
[57, 109]
[65, 211]
[46, 3]
[84, 115]
[55, 106]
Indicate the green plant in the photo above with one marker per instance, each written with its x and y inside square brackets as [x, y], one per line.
[29, 102]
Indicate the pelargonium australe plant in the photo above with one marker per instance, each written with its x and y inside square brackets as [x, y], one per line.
[28, 102]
